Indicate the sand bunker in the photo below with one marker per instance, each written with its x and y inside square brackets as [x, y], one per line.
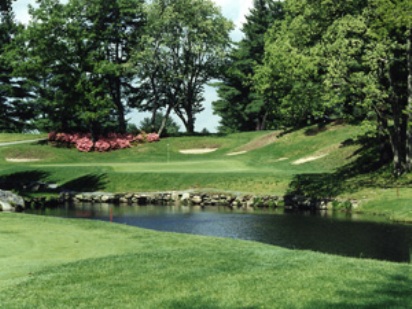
[236, 153]
[309, 159]
[198, 151]
[21, 160]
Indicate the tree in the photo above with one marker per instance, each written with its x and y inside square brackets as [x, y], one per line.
[116, 27]
[14, 108]
[170, 127]
[241, 106]
[184, 49]
[83, 80]
[347, 59]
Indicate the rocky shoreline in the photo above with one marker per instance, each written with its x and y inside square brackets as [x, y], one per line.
[12, 202]
[195, 198]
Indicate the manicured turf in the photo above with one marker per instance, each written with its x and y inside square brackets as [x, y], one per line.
[344, 169]
[14, 137]
[60, 263]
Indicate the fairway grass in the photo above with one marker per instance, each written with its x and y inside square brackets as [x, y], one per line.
[14, 137]
[61, 263]
[340, 167]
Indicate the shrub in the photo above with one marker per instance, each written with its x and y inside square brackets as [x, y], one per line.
[102, 145]
[113, 141]
[84, 144]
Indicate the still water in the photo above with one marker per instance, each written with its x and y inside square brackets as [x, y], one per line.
[335, 233]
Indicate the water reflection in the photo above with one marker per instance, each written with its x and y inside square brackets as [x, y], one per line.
[335, 233]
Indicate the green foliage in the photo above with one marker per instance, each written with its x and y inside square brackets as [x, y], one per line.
[170, 126]
[183, 49]
[14, 93]
[331, 59]
[240, 106]
[81, 81]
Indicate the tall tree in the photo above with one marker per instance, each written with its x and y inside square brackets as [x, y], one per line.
[241, 106]
[77, 55]
[14, 107]
[116, 27]
[345, 58]
[184, 49]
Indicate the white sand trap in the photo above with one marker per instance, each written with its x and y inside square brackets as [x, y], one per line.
[281, 159]
[309, 159]
[198, 151]
[21, 160]
[236, 153]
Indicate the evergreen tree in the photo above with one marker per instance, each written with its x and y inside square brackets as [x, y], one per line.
[14, 107]
[77, 56]
[240, 106]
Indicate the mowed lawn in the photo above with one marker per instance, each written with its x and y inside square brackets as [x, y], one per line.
[329, 161]
[60, 263]
[255, 162]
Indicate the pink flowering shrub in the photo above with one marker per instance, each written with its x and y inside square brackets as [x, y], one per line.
[84, 144]
[113, 141]
[102, 145]
[141, 138]
[152, 137]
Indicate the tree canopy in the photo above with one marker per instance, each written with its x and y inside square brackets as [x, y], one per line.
[89, 62]
[183, 50]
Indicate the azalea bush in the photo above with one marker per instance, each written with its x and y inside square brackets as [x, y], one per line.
[113, 141]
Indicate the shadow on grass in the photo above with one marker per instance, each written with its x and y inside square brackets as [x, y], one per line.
[395, 291]
[365, 171]
[87, 183]
[22, 181]
[36, 181]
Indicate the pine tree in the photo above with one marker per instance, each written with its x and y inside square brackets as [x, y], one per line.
[14, 107]
[240, 106]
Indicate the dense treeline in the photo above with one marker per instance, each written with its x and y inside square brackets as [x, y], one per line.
[80, 66]
[322, 60]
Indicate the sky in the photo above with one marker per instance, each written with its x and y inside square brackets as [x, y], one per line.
[235, 10]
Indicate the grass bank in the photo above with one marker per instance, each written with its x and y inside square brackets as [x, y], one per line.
[327, 161]
[60, 263]
[15, 137]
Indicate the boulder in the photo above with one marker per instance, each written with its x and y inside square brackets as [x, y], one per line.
[197, 199]
[10, 201]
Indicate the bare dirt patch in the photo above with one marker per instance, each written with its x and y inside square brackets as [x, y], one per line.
[198, 151]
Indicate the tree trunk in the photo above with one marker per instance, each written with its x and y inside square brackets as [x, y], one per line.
[164, 121]
[153, 120]
[120, 108]
[396, 139]
[409, 106]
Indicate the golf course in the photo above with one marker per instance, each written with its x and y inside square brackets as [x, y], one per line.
[323, 162]
[63, 263]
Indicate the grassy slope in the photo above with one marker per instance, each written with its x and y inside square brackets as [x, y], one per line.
[86, 264]
[14, 137]
[265, 170]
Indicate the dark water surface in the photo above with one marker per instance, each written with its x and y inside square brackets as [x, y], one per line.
[342, 234]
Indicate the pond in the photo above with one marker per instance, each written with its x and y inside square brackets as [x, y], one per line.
[334, 233]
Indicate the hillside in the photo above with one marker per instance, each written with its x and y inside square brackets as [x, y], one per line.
[320, 162]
